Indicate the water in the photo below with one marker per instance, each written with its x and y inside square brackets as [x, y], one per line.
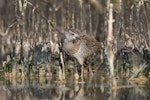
[32, 28]
[97, 87]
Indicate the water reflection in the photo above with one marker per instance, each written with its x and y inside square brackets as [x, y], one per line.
[95, 88]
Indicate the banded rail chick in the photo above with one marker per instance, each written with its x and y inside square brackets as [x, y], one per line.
[80, 46]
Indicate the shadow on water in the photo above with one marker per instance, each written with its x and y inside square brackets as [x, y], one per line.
[97, 87]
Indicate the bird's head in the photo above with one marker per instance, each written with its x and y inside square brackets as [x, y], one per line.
[72, 35]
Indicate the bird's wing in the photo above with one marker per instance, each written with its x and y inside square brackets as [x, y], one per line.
[89, 44]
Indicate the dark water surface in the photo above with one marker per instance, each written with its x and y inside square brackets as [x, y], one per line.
[34, 29]
[95, 88]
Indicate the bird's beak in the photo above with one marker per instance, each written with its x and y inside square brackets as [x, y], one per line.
[78, 37]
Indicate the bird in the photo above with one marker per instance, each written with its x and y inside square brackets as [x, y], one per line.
[80, 45]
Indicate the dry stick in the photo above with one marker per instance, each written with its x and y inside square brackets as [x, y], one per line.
[49, 21]
[63, 65]
[110, 40]
[23, 6]
[7, 30]
[96, 26]
[32, 35]
[90, 19]
[73, 16]
[81, 15]
[147, 21]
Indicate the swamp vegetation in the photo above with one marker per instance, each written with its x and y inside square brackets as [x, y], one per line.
[34, 66]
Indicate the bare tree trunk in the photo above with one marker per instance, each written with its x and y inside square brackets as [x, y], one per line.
[146, 12]
[90, 19]
[110, 40]
[81, 16]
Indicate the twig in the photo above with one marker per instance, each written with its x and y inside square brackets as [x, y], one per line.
[7, 30]
[48, 21]
[122, 87]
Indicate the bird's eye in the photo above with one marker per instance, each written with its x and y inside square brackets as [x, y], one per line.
[72, 34]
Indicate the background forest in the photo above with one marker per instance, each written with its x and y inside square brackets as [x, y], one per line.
[31, 40]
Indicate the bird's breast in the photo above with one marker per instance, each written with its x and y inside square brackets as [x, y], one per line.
[71, 47]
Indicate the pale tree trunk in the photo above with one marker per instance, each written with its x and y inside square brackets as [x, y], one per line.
[110, 40]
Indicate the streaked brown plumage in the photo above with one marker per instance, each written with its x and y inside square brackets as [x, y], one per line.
[80, 46]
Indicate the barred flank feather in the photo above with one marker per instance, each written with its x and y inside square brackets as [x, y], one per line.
[80, 48]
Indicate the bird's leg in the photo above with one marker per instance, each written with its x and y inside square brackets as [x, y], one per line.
[90, 70]
[90, 67]
[82, 73]
[81, 61]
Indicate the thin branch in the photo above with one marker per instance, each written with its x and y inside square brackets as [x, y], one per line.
[35, 9]
[7, 30]
[63, 65]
